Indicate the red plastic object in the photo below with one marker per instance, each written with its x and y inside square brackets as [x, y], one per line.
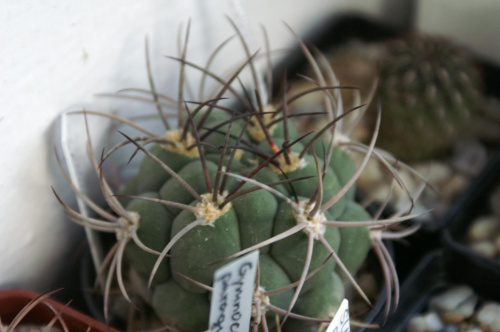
[14, 300]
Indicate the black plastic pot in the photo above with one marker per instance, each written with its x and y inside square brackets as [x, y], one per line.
[475, 203]
[437, 271]
[450, 231]
[455, 263]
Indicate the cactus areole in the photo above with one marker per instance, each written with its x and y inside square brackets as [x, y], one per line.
[225, 182]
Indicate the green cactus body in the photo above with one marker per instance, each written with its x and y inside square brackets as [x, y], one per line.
[355, 240]
[290, 252]
[155, 227]
[185, 310]
[321, 301]
[244, 222]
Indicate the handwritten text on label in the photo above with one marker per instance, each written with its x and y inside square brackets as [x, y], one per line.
[231, 305]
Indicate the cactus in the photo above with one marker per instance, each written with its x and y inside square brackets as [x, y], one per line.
[225, 182]
[430, 87]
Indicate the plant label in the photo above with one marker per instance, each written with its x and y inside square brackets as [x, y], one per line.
[231, 305]
[340, 322]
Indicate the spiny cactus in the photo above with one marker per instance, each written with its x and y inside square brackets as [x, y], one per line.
[429, 87]
[225, 182]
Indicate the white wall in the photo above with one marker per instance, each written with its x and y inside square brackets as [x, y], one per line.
[55, 56]
[472, 23]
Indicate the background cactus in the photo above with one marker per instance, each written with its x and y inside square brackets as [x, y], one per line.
[429, 87]
[225, 182]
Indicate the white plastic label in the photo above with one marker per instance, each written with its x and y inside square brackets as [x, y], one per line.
[340, 322]
[231, 306]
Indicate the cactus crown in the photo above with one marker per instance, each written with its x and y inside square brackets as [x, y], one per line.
[225, 182]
